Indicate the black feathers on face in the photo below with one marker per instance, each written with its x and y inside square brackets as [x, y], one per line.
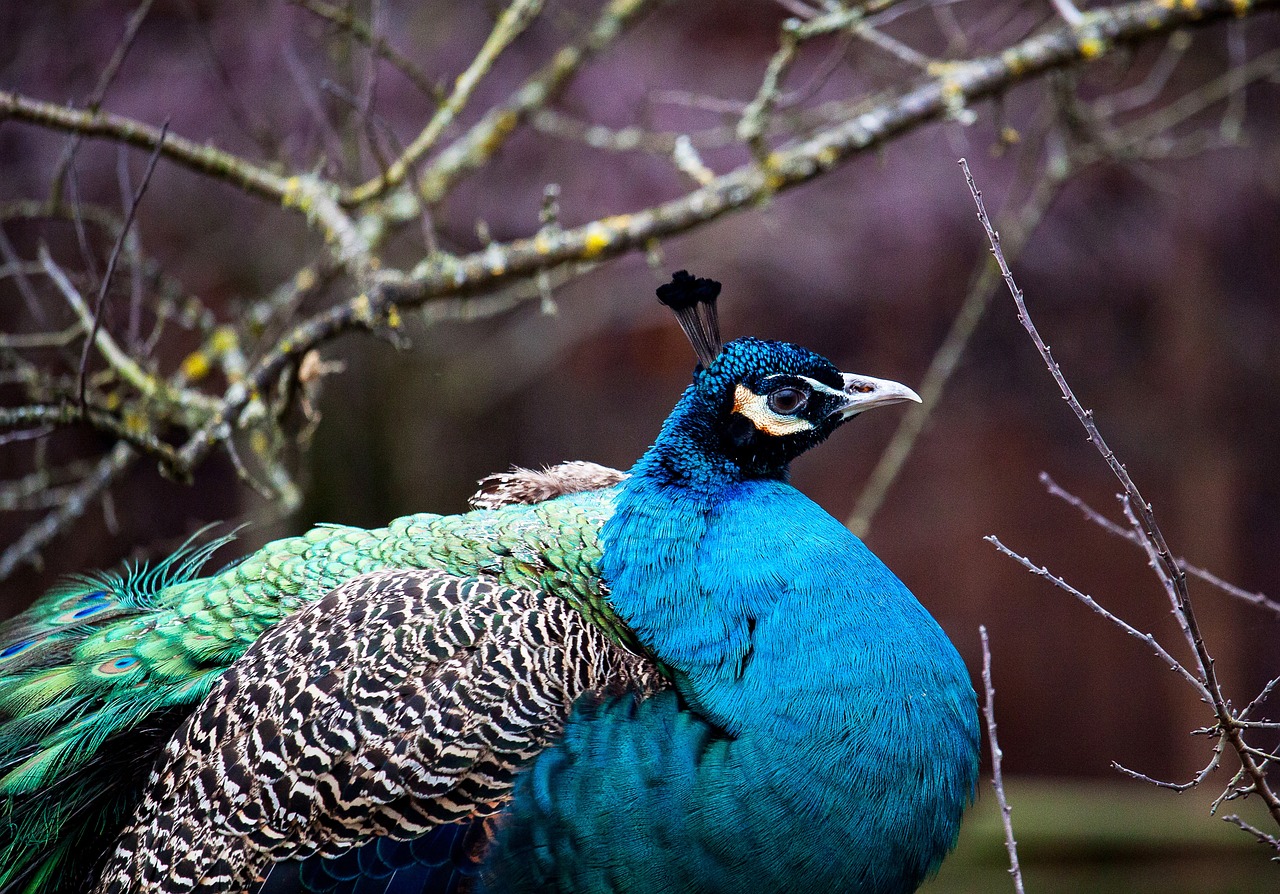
[762, 407]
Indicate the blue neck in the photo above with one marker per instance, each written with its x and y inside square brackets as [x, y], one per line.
[788, 634]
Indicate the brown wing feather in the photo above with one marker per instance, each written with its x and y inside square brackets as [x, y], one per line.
[522, 485]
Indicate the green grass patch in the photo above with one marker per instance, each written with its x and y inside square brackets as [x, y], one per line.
[1109, 837]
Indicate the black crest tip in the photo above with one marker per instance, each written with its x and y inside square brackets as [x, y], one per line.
[693, 300]
[686, 290]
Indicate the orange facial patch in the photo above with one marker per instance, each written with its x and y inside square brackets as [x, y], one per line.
[755, 408]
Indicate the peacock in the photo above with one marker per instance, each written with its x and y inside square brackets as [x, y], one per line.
[688, 677]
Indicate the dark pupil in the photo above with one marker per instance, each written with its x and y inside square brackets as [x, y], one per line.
[786, 401]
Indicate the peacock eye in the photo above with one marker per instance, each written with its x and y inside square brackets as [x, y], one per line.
[787, 401]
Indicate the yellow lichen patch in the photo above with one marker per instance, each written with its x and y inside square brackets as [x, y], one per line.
[1241, 7]
[505, 123]
[305, 280]
[222, 340]
[431, 187]
[196, 366]
[258, 442]
[136, 423]
[393, 317]
[112, 401]
[1091, 47]
[541, 243]
[1013, 61]
[772, 165]
[293, 196]
[827, 156]
[362, 308]
[753, 406]
[596, 239]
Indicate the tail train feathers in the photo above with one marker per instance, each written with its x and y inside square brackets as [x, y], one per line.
[446, 860]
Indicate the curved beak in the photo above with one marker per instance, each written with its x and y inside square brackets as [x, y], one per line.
[865, 393]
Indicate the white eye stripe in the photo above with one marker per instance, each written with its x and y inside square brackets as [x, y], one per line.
[818, 387]
[823, 389]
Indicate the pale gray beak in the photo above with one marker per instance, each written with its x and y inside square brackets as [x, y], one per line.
[865, 393]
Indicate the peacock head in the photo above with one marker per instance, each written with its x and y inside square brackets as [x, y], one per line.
[760, 404]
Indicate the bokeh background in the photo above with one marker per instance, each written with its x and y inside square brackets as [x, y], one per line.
[1157, 284]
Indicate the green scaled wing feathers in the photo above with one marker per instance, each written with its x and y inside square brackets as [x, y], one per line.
[96, 675]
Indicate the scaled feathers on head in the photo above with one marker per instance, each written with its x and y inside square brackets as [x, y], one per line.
[694, 302]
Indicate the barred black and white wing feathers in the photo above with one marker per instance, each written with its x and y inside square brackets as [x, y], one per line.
[401, 701]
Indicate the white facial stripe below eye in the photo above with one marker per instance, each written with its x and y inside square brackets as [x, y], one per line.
[754, 407]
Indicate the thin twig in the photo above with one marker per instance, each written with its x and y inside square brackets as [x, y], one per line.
[315, 198]
[105, 287]
[1259, 699]
[124, 365]
[997, 777]
[132, 428]
[470, 151]
[41, 488]
[94, 101]
[1163, 654]
[204, 158]
[894, 47]
[1200, 777]
[14, 265]
[1070, 14]
[1263, 838]
[1097, 518]
[947, 359]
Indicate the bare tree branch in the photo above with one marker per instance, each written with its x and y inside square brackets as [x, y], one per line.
[343, 18]
[76, 501]
[105, 287]
[239, 382]
[513, 20]
[1205, 681]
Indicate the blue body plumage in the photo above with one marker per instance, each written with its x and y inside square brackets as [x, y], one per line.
[825, 731]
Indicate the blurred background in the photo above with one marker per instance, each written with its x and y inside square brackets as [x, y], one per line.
[1154, 275]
